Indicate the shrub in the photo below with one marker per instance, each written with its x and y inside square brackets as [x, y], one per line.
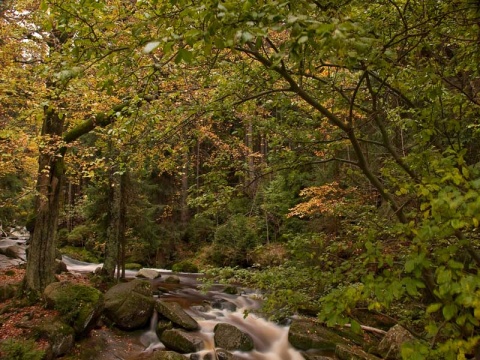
[62, 237]
[185, 266]
[233, 241]
[81, 254]
[200, 229]
[133, 266]
[13, 349]
[79, 235]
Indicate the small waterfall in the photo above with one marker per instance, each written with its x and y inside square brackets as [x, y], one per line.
[150, 339]
[271, 340]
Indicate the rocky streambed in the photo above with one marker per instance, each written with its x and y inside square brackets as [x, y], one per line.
[161, 315]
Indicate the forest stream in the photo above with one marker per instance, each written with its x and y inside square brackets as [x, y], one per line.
[271, 340]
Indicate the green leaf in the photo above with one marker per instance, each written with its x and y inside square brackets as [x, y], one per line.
[355, 326]
[434, 307]
[185, 55]
[302, 39]
[449, 311]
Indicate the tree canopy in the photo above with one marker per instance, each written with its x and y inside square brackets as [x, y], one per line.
[343, 132]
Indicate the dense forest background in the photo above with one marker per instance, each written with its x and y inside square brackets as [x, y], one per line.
[326, 150]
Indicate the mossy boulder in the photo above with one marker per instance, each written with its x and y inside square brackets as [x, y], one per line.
[344, 352]
[130, 305]
[174, 312]
[60, 337]
[164, 355]
[79, 305]
[181, 341]
[231, 338]
[391, 344]
[172, 279]
[7, 291]
[231, 290]
[305, 334]
[163, 325]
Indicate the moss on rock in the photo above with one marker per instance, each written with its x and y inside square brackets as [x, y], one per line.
[79, 305]
[130, 305]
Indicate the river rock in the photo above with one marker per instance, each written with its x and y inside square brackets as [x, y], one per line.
[79, 305]
[163, 355]
[149, 274]
[163, 325]
[174, 312]
[60, 267]
[225, 355]
[231, 290]
[59, 336]
[207, 356]
[181, 341]
[223, 304]
[172, 279]
[309, 356]
[344, 352]
[392, 342]
[307, 334]
[130, 305]
[15, 252]
[229, 337]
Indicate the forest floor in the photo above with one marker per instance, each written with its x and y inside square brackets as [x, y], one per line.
[17, 318]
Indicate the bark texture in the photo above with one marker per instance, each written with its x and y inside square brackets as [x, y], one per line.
[41, 254]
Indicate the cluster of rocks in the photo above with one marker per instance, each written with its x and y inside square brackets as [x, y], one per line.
[131, 305]
[308, 335]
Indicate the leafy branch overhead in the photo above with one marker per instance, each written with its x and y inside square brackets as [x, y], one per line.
[334, 142]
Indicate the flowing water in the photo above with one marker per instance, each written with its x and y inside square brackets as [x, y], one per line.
[270, 339]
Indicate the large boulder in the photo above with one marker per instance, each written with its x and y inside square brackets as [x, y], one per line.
[15, 252]
[172, 279]
[149, 274]
[181, 341]
[60, 337]
[344, 352]
[391, 343]
[79, 305]
[306, 334]
[223, 304]
[130, 305]
[174, 312]
[231, 338]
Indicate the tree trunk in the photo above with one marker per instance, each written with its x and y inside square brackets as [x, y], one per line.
[41, 253]
[250, 185]
[117, 212]
[112, 245]
[122, 220]
[184, 213]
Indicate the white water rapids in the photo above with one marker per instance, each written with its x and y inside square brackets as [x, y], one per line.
[270, 339]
